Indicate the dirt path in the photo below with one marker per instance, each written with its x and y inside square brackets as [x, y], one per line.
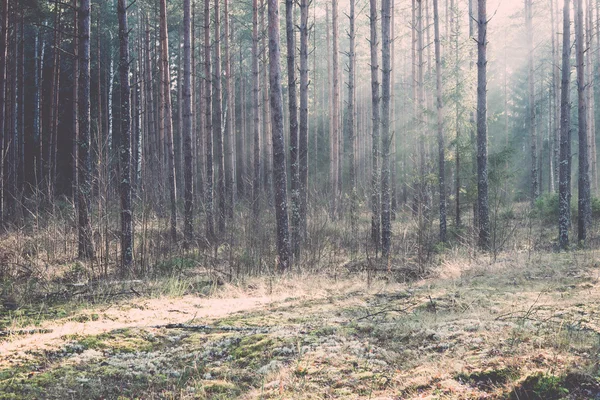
[143, 313]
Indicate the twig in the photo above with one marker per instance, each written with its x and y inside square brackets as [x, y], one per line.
[24, 332]
[201, 328]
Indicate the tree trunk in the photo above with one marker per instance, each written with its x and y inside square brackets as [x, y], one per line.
[3, 123]
[335, 116]
[584, 211]
[279, 171]
[209, 203]
[217, 123]
[531, 125]
[187, 124]
[293, 119]
[482, 173]
[375, 193]
[229, 120]
[168, 116]
[256, 179]
[351, 123]
[85, 244]
[303, 132]
[386, 226]
[125, 141]
[440, 122]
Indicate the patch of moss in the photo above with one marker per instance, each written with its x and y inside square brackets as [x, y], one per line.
[251, 350]
[489, 378]
[540, 386]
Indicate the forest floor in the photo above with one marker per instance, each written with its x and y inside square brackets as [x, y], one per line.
[526, 326]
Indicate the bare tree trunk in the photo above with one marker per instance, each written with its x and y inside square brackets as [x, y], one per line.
[256, 179]
[209, 203]
[386, 226]
[531, 124]
[217, 123]
[3, 122]
[75, 122]
[293, 120]
[279, 171]
[440, 122]
[584, 213]
[482, 176]
[350, 125]
[303, 132]
[168, 116]
[375, 175]
[335, 117]
[125, 141]
[229, 120]
[188, 228]
[86, 246]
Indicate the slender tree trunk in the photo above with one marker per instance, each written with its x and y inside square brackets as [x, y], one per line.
[75, 122]
[187, 123]
[229, 119]
[303, 132]
[335, 116]
[279, 170]
[209, 203]
[3, 122]
[351, 123]
[482, 173]
[386, 226]
[293, 120]
[584, 212]
[217, 123]
[256, 179]
[168, 116]
[375, 173]
[440, 122]
[125, 141]
[86, 246]
[531, 123]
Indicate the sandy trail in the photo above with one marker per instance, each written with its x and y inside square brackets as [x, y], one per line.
[143, 313]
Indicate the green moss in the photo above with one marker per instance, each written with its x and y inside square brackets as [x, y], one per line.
[540, 387]
[489, 378]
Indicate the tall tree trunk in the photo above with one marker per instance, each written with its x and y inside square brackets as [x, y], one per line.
[187, 124]
[293, 119]
[75, 122]
[217, 123]
[256, 179]
[584, 212]
[375, 193]
[3, 122]
[85, 244]
[440, 122]
[351, 123]
[125, 141]
[303, 125]
[168, 116]
[335, 116]
[482, 174]
[229, 119]
[531, 123]
[209, 203]
[279, 170]
[386, 226]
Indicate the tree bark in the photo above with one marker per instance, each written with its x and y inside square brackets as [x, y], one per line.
[209, 203]
[293, 120]
[375, 99]
[125, 141]
[531, 123]
[584, 211]
[482, 172]
[168, 116]
[256, 178]
[386, 226]
[303, 125]
[217, 122]
[440, 122]
[279, 170]
[188, 228]
[229, 120]
[85, 244]
[335, 116]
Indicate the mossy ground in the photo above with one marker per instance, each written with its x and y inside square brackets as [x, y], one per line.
[520, 328]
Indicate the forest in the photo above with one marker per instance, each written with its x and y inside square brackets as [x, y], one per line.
[299, 199]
